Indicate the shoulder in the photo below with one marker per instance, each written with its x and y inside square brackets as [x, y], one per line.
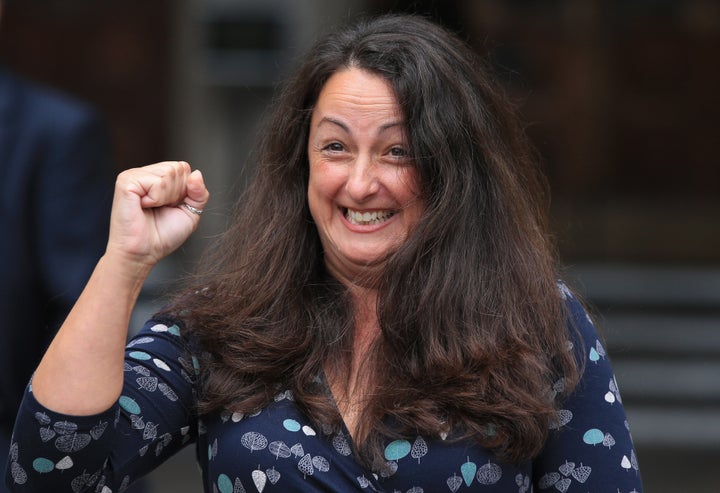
[39, 106]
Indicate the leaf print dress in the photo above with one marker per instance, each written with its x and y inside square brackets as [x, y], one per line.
[279, 450]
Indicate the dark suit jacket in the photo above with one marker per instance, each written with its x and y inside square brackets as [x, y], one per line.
[56, 181]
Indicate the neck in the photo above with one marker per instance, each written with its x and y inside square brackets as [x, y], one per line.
[366, 323]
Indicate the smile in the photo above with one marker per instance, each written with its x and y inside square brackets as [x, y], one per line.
[367, 218]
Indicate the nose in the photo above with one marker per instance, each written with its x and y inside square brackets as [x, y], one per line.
[362, 180]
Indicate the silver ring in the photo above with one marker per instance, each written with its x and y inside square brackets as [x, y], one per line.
[192, 209]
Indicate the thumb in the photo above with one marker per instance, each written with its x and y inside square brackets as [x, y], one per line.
[197, 195]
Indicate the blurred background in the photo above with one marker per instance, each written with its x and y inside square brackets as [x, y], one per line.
[622, 99]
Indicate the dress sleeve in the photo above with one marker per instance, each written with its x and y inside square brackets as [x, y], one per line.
[590, 447]
[153, 418]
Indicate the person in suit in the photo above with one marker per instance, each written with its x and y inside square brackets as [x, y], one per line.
[56, 178]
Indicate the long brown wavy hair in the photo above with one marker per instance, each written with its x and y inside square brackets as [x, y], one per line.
[473, 330]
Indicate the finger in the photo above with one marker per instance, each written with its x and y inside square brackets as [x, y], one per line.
[162, 183]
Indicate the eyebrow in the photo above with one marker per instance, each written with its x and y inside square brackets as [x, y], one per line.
[342, 125]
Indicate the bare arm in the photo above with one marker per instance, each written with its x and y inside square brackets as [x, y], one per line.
[82, 370]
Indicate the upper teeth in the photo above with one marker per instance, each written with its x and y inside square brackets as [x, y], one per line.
[375, 217]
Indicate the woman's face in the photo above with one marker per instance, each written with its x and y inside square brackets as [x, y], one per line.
[363, 192]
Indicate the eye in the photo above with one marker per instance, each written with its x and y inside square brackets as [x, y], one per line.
[334, 147]
[397, 152]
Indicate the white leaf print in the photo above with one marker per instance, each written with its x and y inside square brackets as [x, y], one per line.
[124, 484]
[42, 418]
[308, 431]
[161, 364]
[18, 473]
[254, 441]
[14, 452]
[260, 479]
[633, 460]
[144, 450]
[391, 468]
[341, 444]
[238, 486]
[159, 328]
[415, 489]
[610, 398]
[65, 427]
[213, 449]
[47, 434]
[166, 439]
[567, 468]
[523, 482]
[613, 385]
[489, 473]
[273, 475]
[305, 465]
[297, 450]
[64, 463]
[321, 463]
[287, 394]
[106, 490]
[548, 480]
[236, 417]
[419, 449]
[582, 473]
[363, 482]
[563, 485]
[72, 443]
[564, 416]
[600, 349]
[138, 423]
[79, 482]
[608, 440]
[454, 482]
[167, 391]
[625, 463]
[141, 370]
[279, 449]
[140, 340]
[150, 431]
[148, 383]
[614, 389]
[97, 431]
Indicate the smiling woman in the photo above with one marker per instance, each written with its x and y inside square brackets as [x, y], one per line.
[385, 299]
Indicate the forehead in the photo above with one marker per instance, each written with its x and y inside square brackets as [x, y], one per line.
[357, 94]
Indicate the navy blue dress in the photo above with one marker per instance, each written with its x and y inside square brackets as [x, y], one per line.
[278, 449]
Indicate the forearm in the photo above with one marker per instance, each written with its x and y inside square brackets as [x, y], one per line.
[82, 370]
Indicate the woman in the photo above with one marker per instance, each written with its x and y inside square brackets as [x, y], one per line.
[383, 314]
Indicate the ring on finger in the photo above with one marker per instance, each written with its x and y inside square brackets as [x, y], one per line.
[192, 209]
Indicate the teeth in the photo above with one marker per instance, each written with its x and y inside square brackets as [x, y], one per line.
[366, 218]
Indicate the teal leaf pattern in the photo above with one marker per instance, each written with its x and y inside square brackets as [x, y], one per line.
[397, 450]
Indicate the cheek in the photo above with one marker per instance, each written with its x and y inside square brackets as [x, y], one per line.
[407, 186]
[322, 188]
